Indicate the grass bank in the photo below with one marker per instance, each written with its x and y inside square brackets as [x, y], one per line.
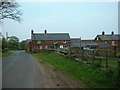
[6, 53]
[91, 75]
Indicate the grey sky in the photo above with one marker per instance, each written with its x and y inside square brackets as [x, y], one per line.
[79, 19]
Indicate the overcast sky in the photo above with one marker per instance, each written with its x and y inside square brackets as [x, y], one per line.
[79, 19]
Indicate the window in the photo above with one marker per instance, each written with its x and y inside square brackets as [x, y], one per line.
[64, 46]
[64, 41]
[40, 47]
[113, 43]
[46, 46]
[51, 46]
[93, 47]
[61, 46]
[105, 41]
[97, 38]
[37, 47]
[38, 42]
[55, 42]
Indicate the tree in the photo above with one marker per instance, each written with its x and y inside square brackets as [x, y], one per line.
[10, 10]
[13, 42]
[4, 44]
[22, 45]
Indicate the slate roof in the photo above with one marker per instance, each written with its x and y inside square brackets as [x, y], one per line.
[50, 36]
[93, 43]
[103, 45]
[75, 42]
[89, 42]
[28, 40]
[110, 37]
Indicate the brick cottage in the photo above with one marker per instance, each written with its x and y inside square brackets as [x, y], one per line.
[43, 41]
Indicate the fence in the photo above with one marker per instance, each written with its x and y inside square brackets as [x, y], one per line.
[102, 57]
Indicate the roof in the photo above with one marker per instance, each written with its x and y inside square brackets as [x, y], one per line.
[75, 42]
[28, 40]
[89, 42]
[93, 43]
[50, 36]
[103, 45]
[110, 37]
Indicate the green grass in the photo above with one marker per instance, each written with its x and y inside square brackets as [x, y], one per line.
[6, 53]
[0, 54]
[91, 75]
[112, 63]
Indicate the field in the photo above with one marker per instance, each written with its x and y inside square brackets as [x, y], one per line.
[92, 76]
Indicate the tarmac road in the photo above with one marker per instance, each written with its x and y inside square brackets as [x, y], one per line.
[21, 70]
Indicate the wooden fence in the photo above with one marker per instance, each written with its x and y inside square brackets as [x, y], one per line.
[98, 56]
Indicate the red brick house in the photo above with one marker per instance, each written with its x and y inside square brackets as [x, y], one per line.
[43, 41]
[28, 45]
[111, 39]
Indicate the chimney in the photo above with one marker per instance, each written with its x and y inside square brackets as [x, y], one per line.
[32, 31]
[45, 31]
[103, 33]
[112, 33]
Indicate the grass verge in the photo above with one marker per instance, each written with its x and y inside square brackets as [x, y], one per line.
[93, 76]
[0, 54]
[6, 53]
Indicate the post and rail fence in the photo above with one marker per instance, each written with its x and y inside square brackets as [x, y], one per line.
[90, 56]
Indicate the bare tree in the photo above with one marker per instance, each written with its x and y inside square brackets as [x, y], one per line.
[10, 10]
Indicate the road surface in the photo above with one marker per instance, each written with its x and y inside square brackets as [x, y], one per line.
[22, 70]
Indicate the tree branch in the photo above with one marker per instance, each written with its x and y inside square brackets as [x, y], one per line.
[10, 10]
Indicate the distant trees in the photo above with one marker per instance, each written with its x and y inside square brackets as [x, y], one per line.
[22, 45]
[10, 10]
[4, 44]
[13, 42]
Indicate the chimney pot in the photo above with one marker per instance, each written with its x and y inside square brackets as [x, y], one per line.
[112, 33]
[103, 33]
[32, 31]
[45, 31]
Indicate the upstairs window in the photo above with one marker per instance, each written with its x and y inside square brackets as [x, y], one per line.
[55, 42]
[64, 41]
[38, 42]
[97, 38]
[113, 43]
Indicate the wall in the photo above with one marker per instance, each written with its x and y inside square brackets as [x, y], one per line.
[36, 47]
